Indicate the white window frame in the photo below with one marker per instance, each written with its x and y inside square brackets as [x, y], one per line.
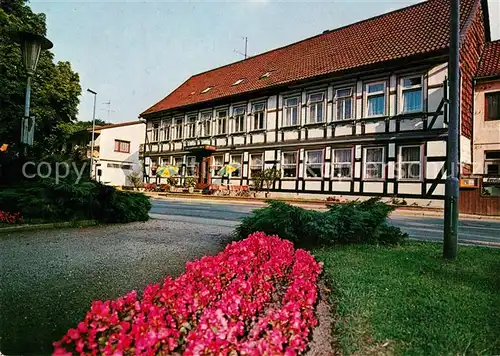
[231, 175]
[215, 171]
[315, 104]
[401, 162]
[237, 117]
[343, 164]
[258, 112]
[167, 129]
[223, 120]
[402, 89]
[289, 165]
[179, 132]
[188, 166]
[382, 163]
[340, 100]
[378, 93]
[155, 137]
[206, 121]
[177, 162]
[306, 165]
[191, 126]
[250, 162]
[289, 109]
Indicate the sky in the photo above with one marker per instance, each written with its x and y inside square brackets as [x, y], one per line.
[133, 53]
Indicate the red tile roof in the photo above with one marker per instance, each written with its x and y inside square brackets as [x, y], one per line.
[419, 29]
[489, 65]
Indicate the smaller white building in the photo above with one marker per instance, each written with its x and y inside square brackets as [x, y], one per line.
[116, 152]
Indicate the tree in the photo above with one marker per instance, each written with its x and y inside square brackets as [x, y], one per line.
[55, 87]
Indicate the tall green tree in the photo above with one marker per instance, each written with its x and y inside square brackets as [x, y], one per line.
[55, 86]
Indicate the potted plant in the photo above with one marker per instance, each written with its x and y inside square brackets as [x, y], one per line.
[172, 182]
[190, 183]
[135, 179]
[270, 175]
[258, 182]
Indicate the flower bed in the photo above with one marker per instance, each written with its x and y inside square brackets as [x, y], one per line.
[255, 297]
[10, 218]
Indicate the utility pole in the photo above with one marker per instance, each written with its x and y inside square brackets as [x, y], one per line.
[452, 164]
[244, 54]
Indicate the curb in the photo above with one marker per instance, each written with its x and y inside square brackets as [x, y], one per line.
[308, 203]
[65, 224]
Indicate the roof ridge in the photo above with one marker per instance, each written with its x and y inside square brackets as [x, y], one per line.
[317, 35]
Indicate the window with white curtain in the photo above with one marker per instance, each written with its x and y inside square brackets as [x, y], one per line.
[167, 123]
[410, 166]
[217, 164]
[177, 162]
[374, 163]
[156, 132]
[258, 113]
[375, 99]
[411, 94]
[236, 160]
[344, 103]
[289, 165]
[178, 129]
[191, 166]
[239, 119]
[314, 164]
[191, 127]
[256, 163]
[221, 122]
[342, 163]
[316, 108]
[206, 124]
[291, 112]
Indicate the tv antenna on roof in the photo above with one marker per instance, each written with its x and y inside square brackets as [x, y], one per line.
[108, 104]
[245, 54]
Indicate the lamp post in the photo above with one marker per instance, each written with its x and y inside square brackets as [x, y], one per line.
[93, 130]
[31, 47]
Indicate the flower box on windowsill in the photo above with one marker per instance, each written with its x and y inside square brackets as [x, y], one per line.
[290, 128]
[315, 124]
[220, 135]
[257, 130]
[343, 122]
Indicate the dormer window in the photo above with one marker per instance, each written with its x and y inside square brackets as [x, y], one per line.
[239, 81]
[206, 90]
[265, 75]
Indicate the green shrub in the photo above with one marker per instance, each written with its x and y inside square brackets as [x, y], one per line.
[47, 201]
[351, 223]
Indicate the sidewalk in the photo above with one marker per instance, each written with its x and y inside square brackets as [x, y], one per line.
[304, 203]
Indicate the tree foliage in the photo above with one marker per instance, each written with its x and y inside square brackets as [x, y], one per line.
[55, 86]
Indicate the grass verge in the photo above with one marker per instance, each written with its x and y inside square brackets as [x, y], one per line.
[408, 300]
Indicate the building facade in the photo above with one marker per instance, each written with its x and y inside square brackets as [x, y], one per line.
[355, 112]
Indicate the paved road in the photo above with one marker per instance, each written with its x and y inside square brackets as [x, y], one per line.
[418, 227]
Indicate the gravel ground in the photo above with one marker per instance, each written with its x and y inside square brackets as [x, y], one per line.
[49, 278]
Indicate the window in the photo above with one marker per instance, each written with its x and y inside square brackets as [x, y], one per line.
[177, 162]
[291, 112]
[492, 163]
[342, 163]
[492, 106]
[411, 94]
[239, 81]
[289, 165]
[344, 100]
[206, 123]
[256, 163]
[375, 99]
[265, 75]
[165, 161]
[191, 166]
[166, 129]
[122, 146]
[191, 127]
[221, 122]
[217, 165]
[410, 167]
[316, 108]
[236, 160]
[206, 90]
[374, 163]
[258, 111]
[122, 166]
[178, 129]
[314, 164]
[239, 119]
[156, 132]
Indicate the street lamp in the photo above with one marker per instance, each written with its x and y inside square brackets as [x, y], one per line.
[31, 47]
[93, 130]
